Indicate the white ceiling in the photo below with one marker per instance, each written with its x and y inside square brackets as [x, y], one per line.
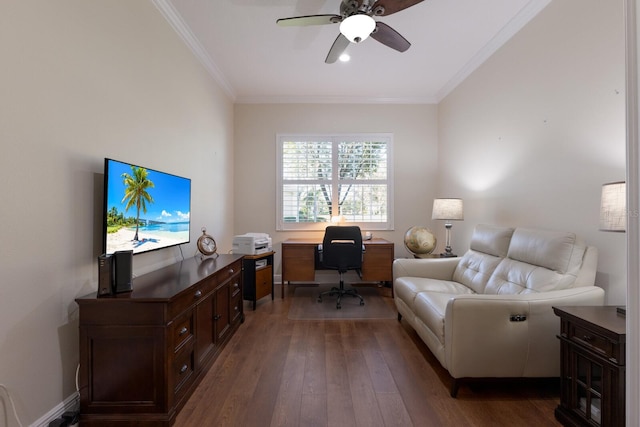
[256, 60]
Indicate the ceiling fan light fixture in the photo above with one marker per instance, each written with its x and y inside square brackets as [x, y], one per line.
[356, 28]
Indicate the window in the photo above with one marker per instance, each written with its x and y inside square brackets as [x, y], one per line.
[321, 177]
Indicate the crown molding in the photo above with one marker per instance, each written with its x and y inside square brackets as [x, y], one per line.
[331, 100]
[177, 23]
[525, 15]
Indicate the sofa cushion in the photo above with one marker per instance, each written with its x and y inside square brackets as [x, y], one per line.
[407, 288]
[474, 270]
[491, 239]
[430, 308]
[489, 244]
[515, 277]
[555, 250]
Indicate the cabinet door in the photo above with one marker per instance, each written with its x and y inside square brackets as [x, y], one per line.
[264, 281]
[123, 370]
[222, 314]
[205, 334]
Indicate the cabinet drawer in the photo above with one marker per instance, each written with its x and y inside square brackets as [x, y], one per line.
[264, 278]
[182, 330]
[186, 299]
[183, 369]
[230, 271]
[236, 306]
[235, 286]
[593, 341]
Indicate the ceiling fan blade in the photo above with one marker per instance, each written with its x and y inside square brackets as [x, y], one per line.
[387, 7]
[338, 47]
[390, 37]
[303, 21]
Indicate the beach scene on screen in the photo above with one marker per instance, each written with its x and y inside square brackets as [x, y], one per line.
[145, 209]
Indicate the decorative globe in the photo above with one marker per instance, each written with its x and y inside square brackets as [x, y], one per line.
[420, 241]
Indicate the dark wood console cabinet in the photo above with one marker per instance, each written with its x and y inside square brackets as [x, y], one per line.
[142, 353]
[592, 370]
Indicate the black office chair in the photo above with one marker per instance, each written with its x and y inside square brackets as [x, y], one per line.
[342, 250]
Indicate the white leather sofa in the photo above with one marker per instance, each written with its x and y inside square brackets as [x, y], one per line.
[489, 313]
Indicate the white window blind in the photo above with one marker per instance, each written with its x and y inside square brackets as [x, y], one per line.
[340, 176]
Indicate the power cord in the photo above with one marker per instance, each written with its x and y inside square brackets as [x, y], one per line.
[13, 406]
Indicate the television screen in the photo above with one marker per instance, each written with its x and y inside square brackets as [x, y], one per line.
[144, 209]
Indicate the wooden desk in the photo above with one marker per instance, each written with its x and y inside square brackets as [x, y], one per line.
[300, 261]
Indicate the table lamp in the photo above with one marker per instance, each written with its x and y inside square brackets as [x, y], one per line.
[613, 206]
[447, 210]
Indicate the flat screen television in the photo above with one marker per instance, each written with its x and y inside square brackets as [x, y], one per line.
[144, 209]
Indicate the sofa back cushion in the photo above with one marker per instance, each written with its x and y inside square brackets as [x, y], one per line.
[489, 244]
[491, 239]
[537, 261]
[556, 250]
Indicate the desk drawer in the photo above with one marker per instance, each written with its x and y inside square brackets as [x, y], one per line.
[298, 263]
[377, 263]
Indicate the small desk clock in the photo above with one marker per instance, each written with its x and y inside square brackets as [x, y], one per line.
[206, 244]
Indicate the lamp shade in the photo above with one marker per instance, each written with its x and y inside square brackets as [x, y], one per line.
[613, 207]
[448, 209]
[357, 28]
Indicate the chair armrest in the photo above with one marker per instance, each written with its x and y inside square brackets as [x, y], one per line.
[508, 335]
[433, 268]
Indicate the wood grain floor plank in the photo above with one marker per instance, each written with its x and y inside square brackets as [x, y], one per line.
[281, 372]
[363, 395]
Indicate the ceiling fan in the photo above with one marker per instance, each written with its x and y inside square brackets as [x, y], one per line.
[357, 23]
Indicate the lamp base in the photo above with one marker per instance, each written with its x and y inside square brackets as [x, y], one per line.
[447, 255]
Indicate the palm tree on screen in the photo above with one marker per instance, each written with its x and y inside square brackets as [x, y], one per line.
[135, 192]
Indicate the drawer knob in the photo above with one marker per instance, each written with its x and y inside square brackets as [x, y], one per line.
[198, 293]
[587, 338]
[231, 271]
[183, 330]
[183, 369]
[235, 285]
[217, 317]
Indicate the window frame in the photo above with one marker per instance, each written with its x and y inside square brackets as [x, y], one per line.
[335, 138]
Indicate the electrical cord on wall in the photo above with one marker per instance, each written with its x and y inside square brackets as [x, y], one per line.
[13, 406]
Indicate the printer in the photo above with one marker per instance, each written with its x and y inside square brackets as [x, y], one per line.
[251, 244]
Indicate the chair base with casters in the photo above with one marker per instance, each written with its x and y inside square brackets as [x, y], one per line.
[340, 291]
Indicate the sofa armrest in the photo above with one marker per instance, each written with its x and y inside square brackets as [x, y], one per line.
[433, 268]
[508, 335]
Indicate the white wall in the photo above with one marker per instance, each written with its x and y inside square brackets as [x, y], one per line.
[415, 159]
[80, 81]
[530, 137]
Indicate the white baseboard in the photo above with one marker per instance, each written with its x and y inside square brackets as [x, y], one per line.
[71, 403]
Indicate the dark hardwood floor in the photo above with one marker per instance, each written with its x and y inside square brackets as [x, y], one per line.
[281, 372]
